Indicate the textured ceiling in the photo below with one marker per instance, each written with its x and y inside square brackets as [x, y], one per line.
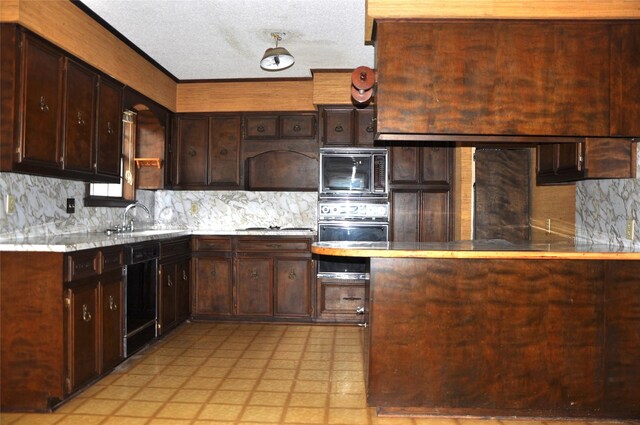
[225, 39]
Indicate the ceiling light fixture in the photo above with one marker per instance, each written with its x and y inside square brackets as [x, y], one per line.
[278, 58]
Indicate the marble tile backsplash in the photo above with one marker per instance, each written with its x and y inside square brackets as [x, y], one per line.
[603, 208]
[41, 208]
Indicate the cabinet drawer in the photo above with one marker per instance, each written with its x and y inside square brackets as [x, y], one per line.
[338, 126]
[298, 126]
[341, 298]
[261, 245]
[212, 244]
[82, 264]
[112, 259]
[175, 248]
[261, 127]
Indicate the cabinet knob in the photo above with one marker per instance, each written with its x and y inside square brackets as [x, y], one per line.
[223, 151]
[86, 316]
[184, 274]
[369, 128]
[338, 129]
[191, 152]
[112, 304]
[297, 128]
[169, 282]
[43, 104]
[292, 275]
[109, 128]
[213, 273]
[260, 129]
[80, 119]
[254, 274]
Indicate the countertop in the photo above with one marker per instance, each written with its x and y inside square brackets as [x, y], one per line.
[483, 249]
[78, 241]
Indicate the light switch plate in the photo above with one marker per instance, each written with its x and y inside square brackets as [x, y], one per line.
[9, 204]
[631, 224]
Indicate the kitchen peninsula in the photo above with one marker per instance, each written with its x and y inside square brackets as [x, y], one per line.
[489, 328]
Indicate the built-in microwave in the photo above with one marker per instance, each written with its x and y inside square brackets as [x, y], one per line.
[353, 173]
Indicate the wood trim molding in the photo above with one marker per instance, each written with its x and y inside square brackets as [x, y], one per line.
[504, 9]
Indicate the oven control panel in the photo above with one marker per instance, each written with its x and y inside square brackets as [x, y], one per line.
[353, 210]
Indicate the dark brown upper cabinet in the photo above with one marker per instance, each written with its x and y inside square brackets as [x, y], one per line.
[207, 151]
[501, 80]
[346, 126]
[61, 118]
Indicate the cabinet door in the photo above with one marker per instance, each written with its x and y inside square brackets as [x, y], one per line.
[436, 164]
[405, 167]
[79, 118]
[213, 286]
[192, 150]
[261, 127]
[183, 290]
[42, 96]
[625, 80]
[224, 151]
[292, 287]
[300, 126]
[167, 297]
[253, 287]
[420, 216]
[111, 296]
[83, 333]
[109, 128]
[365, 127]
[337, 125]
[546, 164]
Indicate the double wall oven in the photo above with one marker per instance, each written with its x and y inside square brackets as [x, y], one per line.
[353, 205]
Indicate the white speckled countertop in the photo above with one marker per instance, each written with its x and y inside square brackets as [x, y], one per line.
[79, 241]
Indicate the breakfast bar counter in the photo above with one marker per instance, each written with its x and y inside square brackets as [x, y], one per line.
[490, 328]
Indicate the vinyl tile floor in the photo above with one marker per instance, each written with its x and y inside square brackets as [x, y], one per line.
[225, 373]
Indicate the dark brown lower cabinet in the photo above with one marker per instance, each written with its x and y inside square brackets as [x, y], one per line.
[421, 215]
[174, 282]
[111, 297]
[252, 277]
[340, 300]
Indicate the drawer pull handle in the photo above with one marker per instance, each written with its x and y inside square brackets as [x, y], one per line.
[369, 128]
[192, 152]
[292, 275]
[213, 274]
[112, 304]
[339, 129]
[362, 325]
[80, 120]
[184, 274]
[297, 128]
[360, 310]
[224, 152]
[169, 282]
[109, 128]
[43, 104]
[86, 316]
[254, 274]
[260, 129]
[351, 298]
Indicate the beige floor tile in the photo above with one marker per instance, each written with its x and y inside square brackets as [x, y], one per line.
[287, 355]
[147, 369]
[189, 361]
[154, 394]
[347, 375]
[350, 357]
[130, 380]
[345, 387]
[80, 420]
[118, 393]
[347, 365]
[197, 352]
[179, 410]
[315, 365]
[283, 364]
[198, 383]
[139, 408]
[212, 372]
[163, 381]
[313, 375]
[256, 354]
[279, 374]
[316, 355]
[238, 384]
[187, 395]
[230, 397]
[378, 420]
[179, 370]
[38, 419]
[262, 414]
[252, 363]
[227, 354]
[352, 401]
[268, 398]
[309, 399]
[275, 385]
[220, 412]
[120, 420]
[242, 373]
[172, 421]
[311, 387]
[157, 360]
[220, 362]
[305, 415]
[348, 416]
[98, 407]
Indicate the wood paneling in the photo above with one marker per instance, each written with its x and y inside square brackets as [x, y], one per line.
[332, 87]
[271, 95]
[65, 25]
[463, 192]
[547, 9]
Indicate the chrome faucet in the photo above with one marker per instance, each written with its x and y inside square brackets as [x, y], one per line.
[129, 226]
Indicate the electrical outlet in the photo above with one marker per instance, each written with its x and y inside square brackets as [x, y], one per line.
[631, 224]
[548, 223]
[194, 209]
[9, 204]
[71, 205]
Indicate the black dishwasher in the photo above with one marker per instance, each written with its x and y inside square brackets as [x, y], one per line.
[141, 295]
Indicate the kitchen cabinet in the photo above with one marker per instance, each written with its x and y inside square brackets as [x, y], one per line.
[207, 151]
[94, 317]
[63, 117]
[590, 159]
[346, 126]
[174, 305]
[421, 193]
[579, 84]
[252, 277]
[213, 276]
[280, 151]
[340, 300]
